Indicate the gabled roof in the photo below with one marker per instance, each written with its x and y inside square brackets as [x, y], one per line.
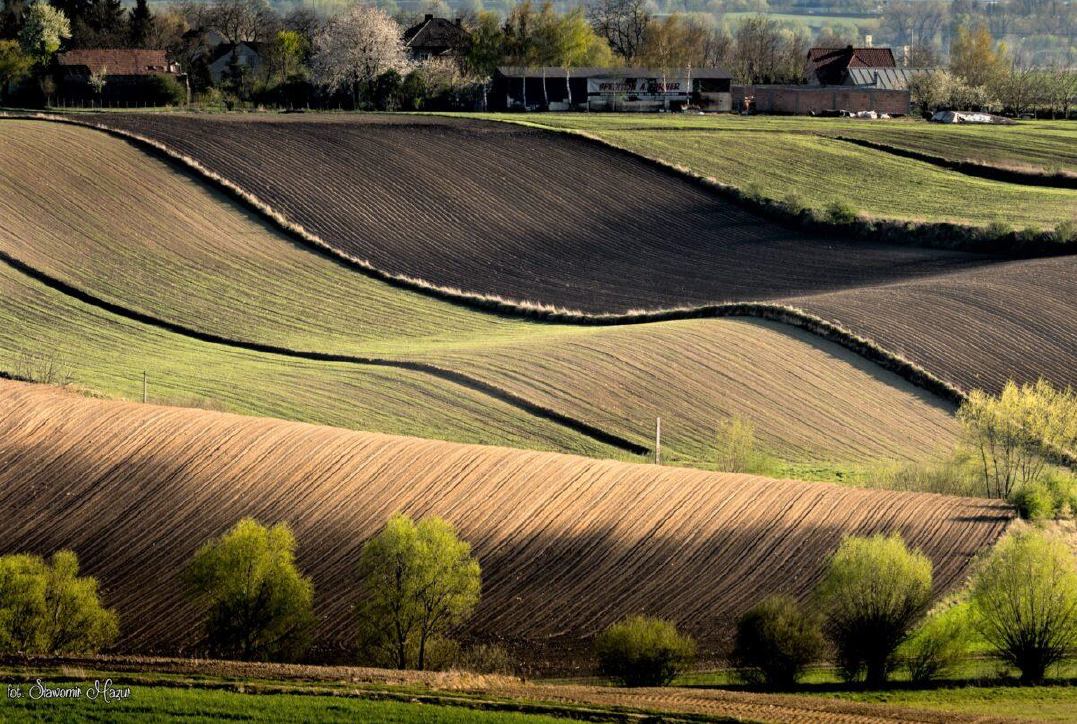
[558, 72]
[886, 78]
[226, 49]
[435, 33]
[831, 63]
[116, 61]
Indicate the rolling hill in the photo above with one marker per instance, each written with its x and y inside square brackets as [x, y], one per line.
[581, 240]
[567, 544]
[131, 232]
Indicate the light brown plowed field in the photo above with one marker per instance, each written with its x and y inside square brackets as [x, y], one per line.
[129, 229]
[542, 217]
[567, 544]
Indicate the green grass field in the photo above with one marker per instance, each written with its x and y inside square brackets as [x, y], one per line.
[798, 156]
[170, 704]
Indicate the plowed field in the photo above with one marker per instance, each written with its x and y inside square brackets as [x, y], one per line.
[533, 215]
[522, 214]
[128, 229]
[567, 544]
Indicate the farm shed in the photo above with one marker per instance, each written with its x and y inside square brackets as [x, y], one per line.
[610, 89]
[831, 66]
[885, 78]
[124, 72]
[804, 100]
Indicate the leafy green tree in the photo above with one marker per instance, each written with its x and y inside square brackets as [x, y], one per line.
[259, 606]
[48, 608]
[418, 581]
[1025, 599]
[1013, 431]
[872, 592]
[643, 651]
[14, 65]
[45, 28]
[286, 54]
[975, 57]
[736, 450]
[775, 642]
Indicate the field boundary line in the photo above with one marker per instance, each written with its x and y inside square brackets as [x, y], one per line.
[975, 169]
[458, 378]
[771, 311]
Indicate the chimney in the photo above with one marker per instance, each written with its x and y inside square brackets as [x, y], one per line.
[429, 16]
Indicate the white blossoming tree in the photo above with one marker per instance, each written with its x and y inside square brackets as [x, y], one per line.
[356, 47]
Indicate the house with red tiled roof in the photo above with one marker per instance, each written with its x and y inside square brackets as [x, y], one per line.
[831, 65]
[115, 62]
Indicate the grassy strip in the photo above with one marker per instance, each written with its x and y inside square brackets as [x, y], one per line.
[936, 235]
[423, 367]
[1060, 179]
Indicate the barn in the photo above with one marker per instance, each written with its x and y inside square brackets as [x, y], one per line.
[610, 89]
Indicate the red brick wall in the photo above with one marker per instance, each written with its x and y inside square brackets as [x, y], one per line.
[807, 99]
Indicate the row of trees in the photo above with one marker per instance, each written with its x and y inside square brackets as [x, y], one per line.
[871, 608]
[419, 581]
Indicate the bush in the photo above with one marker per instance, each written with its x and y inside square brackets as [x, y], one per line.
[1029, 234]
[1033, 501]
[775, 641]
[1066, 232]
[736, 450]
[794, 205]
[486, 659]
[259, 606]
[1024, 596]
[998, 231]
[642, 651]
[840, 212]
[162, 90]
[871, 593]
[938, 645]
[46, 608]
[419, 581]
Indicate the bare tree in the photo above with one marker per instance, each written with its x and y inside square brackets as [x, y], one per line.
[622, 23]
[764, 53]
[243, 21]
[356, 47]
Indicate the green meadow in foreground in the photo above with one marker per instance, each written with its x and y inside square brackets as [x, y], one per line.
[169, 704]
[803, 158]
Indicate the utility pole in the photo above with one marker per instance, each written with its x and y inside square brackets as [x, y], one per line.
[658, 441]
[143, 387]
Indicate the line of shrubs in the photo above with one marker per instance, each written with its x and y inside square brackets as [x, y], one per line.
[870, 608]
[419, 582]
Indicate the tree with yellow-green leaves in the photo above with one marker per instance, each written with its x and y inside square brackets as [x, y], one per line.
[1015, 432]
[976, 57]
[418, 580]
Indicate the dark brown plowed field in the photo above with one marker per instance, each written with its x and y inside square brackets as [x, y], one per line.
[522, 214]
[567, 544]
[976, 328]
[537, 216]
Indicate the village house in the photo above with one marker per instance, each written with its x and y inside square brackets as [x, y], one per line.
[435, 38]
[247, 55]
[611, 89]
[831, 66]
[120, 73]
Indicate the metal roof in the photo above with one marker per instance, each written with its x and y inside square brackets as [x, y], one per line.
[885, 78]
[558, 72]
